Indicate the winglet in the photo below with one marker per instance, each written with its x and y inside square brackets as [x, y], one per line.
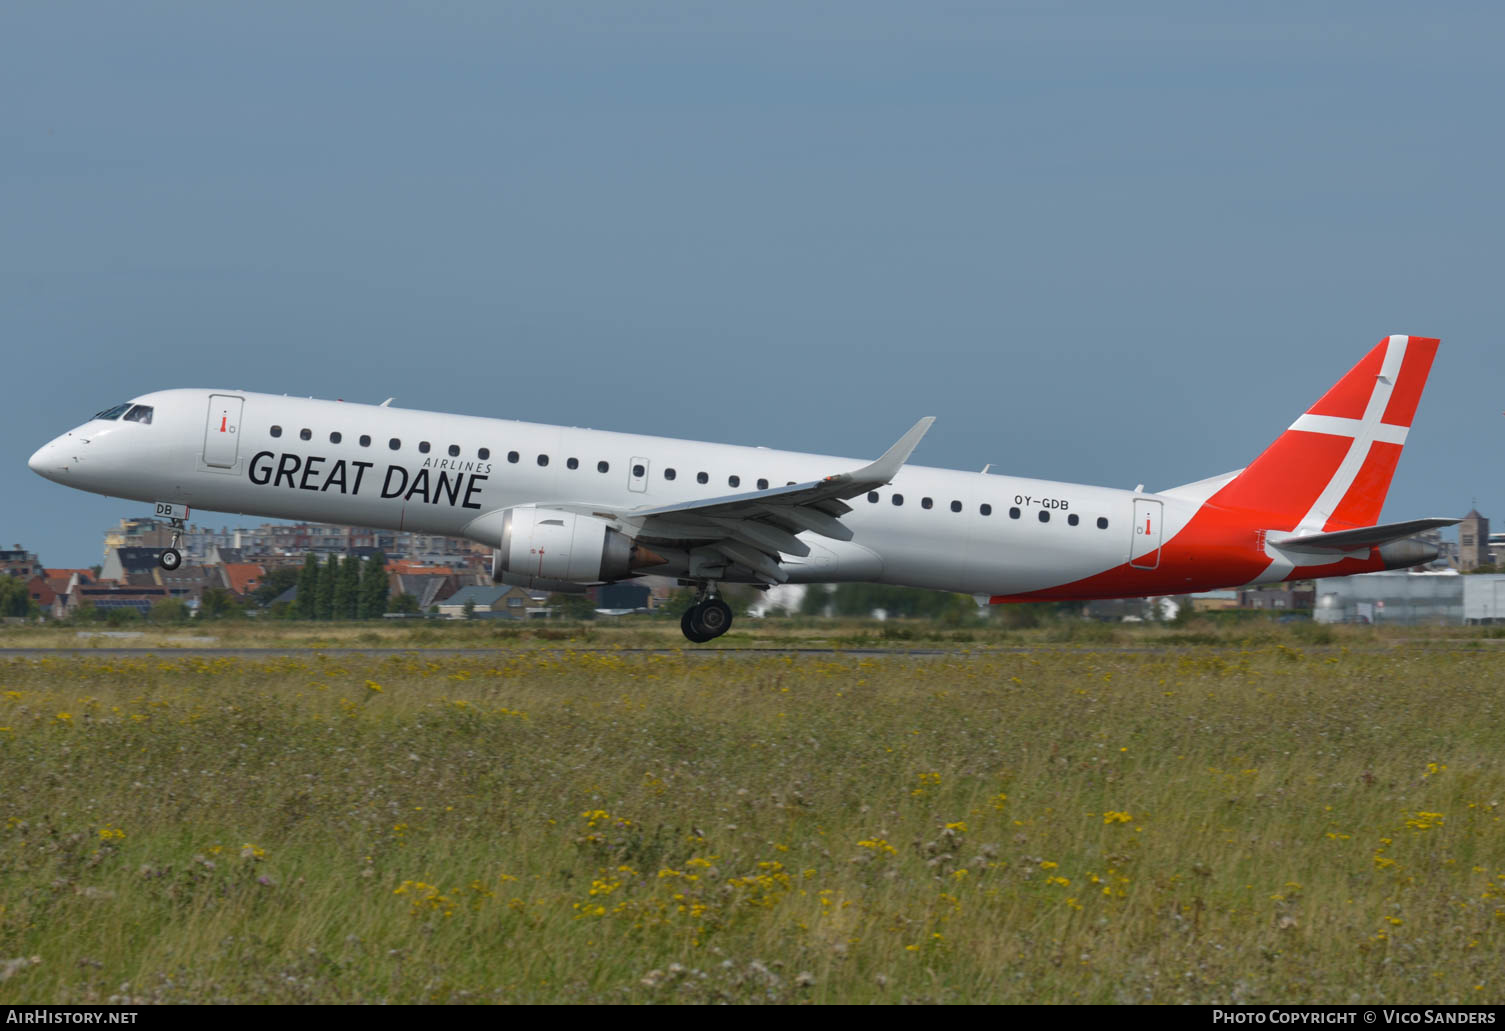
[887, 467]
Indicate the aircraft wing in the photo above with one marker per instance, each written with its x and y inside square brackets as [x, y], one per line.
[1363, 537]
[751, 529]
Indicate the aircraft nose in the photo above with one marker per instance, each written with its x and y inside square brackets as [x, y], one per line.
[46, 462]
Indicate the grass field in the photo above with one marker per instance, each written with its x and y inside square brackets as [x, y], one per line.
[1268, 820]
[639, 632]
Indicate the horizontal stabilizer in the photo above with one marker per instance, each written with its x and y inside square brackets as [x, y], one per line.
[1363, 537]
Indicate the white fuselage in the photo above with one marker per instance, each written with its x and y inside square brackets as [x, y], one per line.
[304, 459]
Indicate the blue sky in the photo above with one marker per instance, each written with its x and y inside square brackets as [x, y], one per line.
[1100, 247]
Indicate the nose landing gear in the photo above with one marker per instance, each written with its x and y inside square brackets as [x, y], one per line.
[707, 619]
[172, 558]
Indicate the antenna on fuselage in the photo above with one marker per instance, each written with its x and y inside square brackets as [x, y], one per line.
[387, 402]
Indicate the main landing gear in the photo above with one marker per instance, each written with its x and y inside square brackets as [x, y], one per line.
[708, 618]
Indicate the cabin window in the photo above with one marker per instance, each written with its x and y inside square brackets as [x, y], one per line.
[394, 443]
[985, 509]
[454, 451]
[483, 453]
[734, 481]
[872, 496]
[543, 459]
[1102, 524]
[423, 447]
[1073, 519]
[305, 434]
[572, 463]
[139, 413]
[639, 471]
[365, 440]
[512, 457]
[702, 478]
[669, 474]
[762, 484]
[956, 506]
[335, 437]
[1014, 512]
[898, 499]
[1044, 515]
[926, 503]
[602, 467]
[276, 431]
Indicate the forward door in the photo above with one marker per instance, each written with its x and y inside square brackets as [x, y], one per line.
[222, 431]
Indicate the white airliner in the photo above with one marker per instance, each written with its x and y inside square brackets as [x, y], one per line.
[565, 508]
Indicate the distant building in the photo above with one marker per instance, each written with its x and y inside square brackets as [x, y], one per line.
[427, 590]
[1214, 601]
[1484, 598]
[1473, 542]
[1395, 597]
[113, 596]
[121, 563]
[240, 578]
[495, 602]
[62, 580]
[1497, 548]
[1275, 598]
[138, 533]
[622, 597]
[20, 563]
[41, 592]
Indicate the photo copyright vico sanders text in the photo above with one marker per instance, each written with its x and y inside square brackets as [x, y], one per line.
[1375, 1015]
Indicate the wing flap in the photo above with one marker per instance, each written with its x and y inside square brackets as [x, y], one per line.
[753, 529]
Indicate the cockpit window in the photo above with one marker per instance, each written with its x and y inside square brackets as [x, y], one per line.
[139, 413]
[114, 413]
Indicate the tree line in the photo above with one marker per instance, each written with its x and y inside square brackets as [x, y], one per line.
[348, 588]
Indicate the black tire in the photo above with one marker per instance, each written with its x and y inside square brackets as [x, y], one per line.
[715, 617]
[170, 559]
[689, 623]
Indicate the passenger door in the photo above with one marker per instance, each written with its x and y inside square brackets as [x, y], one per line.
[1144, 551]
[222, 431]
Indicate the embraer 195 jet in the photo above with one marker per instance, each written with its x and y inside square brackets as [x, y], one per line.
[564, 508]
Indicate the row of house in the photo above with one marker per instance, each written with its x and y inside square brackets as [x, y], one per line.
[277, 542]
[131, 577]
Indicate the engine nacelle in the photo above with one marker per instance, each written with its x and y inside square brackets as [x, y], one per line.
[553, 550]
[1405, 553]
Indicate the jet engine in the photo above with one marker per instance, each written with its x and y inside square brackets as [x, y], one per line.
[556, 550]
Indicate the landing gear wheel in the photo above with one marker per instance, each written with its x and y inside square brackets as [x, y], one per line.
[706, 620]
[715, 617]
[170, 559]
[691, 626]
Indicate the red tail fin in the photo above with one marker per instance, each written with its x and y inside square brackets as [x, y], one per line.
[1332, 468]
